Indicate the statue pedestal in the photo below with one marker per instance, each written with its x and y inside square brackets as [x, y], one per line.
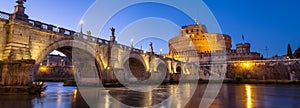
[19, 13]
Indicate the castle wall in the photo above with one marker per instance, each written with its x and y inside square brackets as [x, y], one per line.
[264, 71]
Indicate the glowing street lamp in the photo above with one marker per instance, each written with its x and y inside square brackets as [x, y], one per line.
[160, 50]
[43, 69]
[81, 24]
[131, 42]
[247, 66]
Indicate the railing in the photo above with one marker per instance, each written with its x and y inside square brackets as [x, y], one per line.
[4, 15]
[128, 48]
[70, 33]
[66, 32]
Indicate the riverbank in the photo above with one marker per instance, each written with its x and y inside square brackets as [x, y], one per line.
[32, 89]
[265, 82]
[73, 83]
[67, 82]
[251, 82]
[14, 90]
[52, 80]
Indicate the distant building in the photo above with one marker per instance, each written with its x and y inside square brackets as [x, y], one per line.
[194, 43]
[276, 57]
[56, 60]
[55, 67]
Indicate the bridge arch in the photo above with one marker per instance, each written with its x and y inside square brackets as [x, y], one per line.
[157, 63]
[135, 65]
[67, 47]
[65, 43]
[178, 69]
[177, 66]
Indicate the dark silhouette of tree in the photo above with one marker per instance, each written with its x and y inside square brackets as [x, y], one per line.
[262, 57]
[297, 53]
[289, 52]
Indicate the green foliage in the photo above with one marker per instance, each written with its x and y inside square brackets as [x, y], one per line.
[289, 52]
[239, 79]
[262, 57]
[37, 88]
[297, 53]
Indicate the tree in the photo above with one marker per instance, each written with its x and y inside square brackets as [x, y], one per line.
[262, 57]
[297, 53]
[289, 52]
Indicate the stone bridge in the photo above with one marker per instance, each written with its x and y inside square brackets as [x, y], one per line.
[24, 44]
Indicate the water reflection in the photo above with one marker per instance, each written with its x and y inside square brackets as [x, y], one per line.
[107, 102]
[74, 95]
[230, 96]
[139, 99]
[56, 96]
[249, 96]
[59, 96]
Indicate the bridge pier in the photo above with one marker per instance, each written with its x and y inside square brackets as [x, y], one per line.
[109, 76]
[16, 73]
[120, 75]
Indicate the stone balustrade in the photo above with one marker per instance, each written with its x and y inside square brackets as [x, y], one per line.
[4, 15]
[66, 32]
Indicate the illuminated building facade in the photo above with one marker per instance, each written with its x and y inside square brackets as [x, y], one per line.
[56, 60]
[195, 43]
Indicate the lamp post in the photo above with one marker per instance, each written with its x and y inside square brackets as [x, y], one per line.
[81, 24]
[160, 50]
[131, 42]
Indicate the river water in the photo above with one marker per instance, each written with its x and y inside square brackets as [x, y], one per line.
[230, 96]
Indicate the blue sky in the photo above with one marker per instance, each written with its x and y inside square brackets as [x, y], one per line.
[263, 22]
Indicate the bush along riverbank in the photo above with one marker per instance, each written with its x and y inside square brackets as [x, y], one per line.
[240, 80]
[35, 88]
[237, 80]
[52, 79]
[261, 82]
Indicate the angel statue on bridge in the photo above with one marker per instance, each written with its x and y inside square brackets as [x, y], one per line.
[112, 31]
[20, 2]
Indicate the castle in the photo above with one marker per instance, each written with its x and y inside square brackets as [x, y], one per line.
[196, 44]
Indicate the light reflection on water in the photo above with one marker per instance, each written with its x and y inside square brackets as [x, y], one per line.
[230, 96]
[249, 96]
[56, 96]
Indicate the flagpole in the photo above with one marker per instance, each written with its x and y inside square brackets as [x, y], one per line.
[243, 37]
